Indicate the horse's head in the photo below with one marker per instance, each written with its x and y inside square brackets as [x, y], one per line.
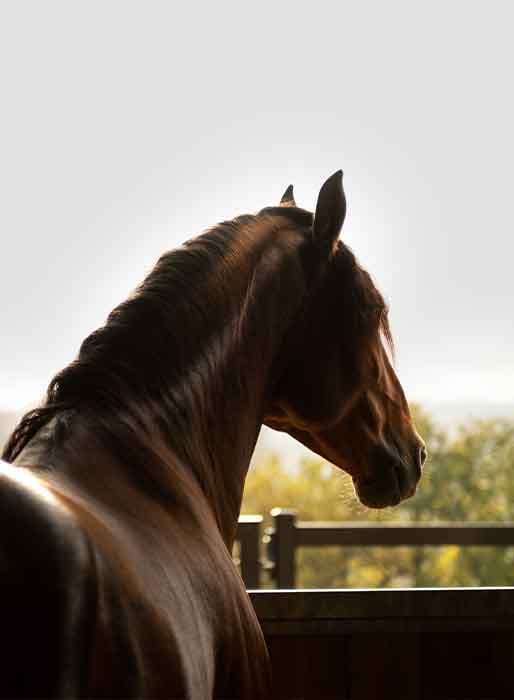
[336, 390]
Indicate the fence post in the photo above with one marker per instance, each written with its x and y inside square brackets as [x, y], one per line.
[284, 535]
[249, 536]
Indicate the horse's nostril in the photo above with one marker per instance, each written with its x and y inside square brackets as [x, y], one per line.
[420, 455]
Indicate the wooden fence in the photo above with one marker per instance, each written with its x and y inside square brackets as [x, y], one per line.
[406, 644]
[287, 534]
[394, 644]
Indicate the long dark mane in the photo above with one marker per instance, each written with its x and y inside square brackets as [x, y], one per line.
[129, 369]
[102, 376]
[158, 369]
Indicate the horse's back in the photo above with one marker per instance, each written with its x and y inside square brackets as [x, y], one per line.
[47, 591]
[99, 606]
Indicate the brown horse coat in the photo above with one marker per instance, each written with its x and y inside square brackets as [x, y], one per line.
[121, 499]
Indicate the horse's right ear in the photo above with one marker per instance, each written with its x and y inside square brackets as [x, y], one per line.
[288, 198]
[330, 212]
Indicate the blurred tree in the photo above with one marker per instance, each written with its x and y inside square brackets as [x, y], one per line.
[469, 477]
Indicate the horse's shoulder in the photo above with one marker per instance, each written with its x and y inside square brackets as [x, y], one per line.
[37, 528]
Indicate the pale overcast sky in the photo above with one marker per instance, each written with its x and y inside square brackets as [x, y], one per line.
[128, 127]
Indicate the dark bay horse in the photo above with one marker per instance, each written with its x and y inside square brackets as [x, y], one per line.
[120, 494]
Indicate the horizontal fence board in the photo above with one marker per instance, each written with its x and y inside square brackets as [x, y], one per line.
[403, 534]
[288, 534]
[383, 603]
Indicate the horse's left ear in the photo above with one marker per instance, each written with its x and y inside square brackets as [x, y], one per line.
[288, 198]
[330, 212]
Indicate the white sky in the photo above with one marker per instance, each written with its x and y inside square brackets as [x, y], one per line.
[128, 127]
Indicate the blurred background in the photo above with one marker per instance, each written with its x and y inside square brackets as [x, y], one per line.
[128, 127]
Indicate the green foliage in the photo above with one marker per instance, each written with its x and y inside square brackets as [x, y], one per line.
[469, 477]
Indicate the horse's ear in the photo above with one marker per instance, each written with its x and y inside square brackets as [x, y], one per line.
[288, 198]
[330, 212]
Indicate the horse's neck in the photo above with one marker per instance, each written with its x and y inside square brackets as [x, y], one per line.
[220, 445]
[210, 410]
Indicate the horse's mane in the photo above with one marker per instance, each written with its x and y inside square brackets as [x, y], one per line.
[129, 373]
[131, 358]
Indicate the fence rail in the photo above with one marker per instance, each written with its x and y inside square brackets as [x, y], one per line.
[287, 534]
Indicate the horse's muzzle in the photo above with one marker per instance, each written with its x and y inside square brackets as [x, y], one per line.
[393, 479]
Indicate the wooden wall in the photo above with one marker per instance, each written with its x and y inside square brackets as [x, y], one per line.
[440, 644]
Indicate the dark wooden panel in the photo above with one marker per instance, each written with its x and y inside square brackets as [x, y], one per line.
[451, 666]
[457, 666]
[390, 645]
[383, 666]
[309, 668]
[503, 671]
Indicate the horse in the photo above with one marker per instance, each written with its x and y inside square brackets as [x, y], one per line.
[121, 492]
